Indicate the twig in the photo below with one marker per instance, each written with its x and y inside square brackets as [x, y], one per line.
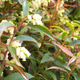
[71, 71]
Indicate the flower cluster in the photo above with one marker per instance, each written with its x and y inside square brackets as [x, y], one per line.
[8, 29]
[60, 8]
[35, 19]
[21, 52]
[37, 3]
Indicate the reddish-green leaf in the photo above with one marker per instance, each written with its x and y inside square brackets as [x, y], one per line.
[2, 45]
[15, 66]
[71, 60]
[78, 62]
[63, 49]
[55, 67]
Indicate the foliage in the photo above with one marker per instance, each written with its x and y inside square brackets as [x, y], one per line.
[39, 39]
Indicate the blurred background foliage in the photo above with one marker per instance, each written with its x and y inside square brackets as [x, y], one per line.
[63, 22]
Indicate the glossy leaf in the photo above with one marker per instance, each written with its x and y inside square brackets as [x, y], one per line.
[23, 30]
[25, 8]
[58, 28]
[13, 53]
[64, 34]
[75, 42]
[17, 76]
[63, 49]
[60, 62]
[76, 76]
[5, 25]
[41, 29]
[77, 13]
[47, 58]
[55, 67]
[71, 60]
[51, 74]
[15, 66]
[26, 38]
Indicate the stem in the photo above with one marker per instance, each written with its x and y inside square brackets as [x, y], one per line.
[42, 43]
[71, 71]
[15, 33]
[52, 21]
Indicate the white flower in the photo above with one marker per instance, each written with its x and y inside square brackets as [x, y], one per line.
[23, 49]
[38, 2]
[11, 68]
[39, 22]
[15, 43]
[10, 30]
[22, 52]
[37, 17]
[35, 4]
[45, 2]
[29, 17]
[18, 50]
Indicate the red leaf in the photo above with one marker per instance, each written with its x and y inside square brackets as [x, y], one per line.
[63, 49]
[71, 60]
[55, 67]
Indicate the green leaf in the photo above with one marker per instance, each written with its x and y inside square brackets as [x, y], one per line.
[25, 8]
[58, 28]
[78, 37]
[26, 38]
[23, 30]
[17, 76]
[61, 64]
[51, 74]
[15, 66]
[64, 34]
[4, 37]
[76, 76]
[5, 25]
[41, 29]
[13, 53]
[42, 35]
[47, 58]
[77, 13]
[70, 25]
[75, 42]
